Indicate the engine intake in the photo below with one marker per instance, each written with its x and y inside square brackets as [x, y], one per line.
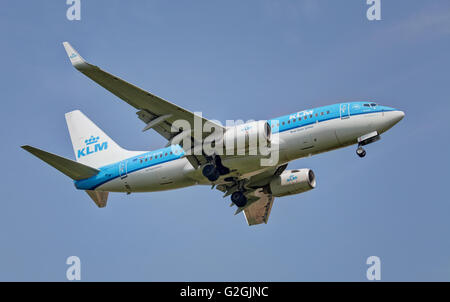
[292, 182]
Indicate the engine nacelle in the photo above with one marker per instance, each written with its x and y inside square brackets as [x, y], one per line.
[248, 136]
[292, 182]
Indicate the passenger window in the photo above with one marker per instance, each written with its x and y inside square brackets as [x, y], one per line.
[305, 117]
[141, 161]
[293, 120]
[146, 159]
[150, 158]
[289, 122]
[328, 112]
[310, 116]
[321, 113]
[317, 114]
[282, 123]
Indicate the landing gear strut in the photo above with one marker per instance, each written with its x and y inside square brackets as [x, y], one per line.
[239, 199]
[210, 172]
[361, 152]
[214, 169]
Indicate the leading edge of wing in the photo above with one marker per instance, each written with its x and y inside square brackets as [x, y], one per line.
[133, 95]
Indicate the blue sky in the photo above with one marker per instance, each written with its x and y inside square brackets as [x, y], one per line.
[230, 60]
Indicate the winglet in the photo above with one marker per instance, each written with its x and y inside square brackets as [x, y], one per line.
[74, 56]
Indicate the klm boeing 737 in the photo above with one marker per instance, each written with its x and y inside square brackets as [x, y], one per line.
[102, 166]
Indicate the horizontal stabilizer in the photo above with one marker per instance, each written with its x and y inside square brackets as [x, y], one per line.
[74, 170]
[98, 197]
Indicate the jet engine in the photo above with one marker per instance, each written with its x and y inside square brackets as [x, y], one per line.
[292, 182]
[248, 136]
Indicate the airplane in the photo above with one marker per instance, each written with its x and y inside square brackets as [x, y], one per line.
[102, 166]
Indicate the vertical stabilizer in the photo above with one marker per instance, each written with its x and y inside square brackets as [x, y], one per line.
[91, 145]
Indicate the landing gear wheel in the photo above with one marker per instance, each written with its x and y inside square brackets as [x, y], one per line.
[215, 176]
[239, 199]
[210, 172]
[361, 152]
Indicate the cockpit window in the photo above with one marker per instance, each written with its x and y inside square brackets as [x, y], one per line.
[366, 105]
[373, 104]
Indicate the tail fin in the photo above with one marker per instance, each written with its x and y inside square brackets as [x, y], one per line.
[91, 145]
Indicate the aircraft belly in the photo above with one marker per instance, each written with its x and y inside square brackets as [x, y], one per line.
[114, 185]
[309, 140]
[161, 177]
[243, 164]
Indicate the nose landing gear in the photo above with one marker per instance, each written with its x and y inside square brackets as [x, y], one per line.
[361, 152]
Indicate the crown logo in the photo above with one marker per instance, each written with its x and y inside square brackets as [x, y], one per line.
[92, 140]
[291, 178]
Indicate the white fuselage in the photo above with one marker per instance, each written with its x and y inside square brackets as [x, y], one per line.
[293, 144]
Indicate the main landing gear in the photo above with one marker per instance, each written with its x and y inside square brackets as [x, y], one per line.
[361, 152]
[214, 169]
[210, 172]
[239, 199]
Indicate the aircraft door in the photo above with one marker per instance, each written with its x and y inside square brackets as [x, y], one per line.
[123, 169]
[345, 111]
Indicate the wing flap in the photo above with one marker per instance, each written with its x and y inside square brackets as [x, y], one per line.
[258, 212]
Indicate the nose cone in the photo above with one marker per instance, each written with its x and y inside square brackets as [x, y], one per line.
[397, 116]
[391, 118]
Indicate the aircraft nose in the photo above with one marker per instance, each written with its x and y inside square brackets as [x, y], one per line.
[398, 115]
[394, 116]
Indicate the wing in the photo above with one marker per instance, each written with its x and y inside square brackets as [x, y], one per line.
[259, 210]
[156, 112]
